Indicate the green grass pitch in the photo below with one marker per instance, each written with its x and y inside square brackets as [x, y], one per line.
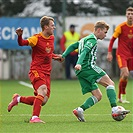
[57, 113]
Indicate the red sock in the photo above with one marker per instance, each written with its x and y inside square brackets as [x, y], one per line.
[27, 100]
[122, 87]
[37, 105]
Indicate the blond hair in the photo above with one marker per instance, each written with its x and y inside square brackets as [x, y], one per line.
[101, 24]
[129, 9]
[45, 21]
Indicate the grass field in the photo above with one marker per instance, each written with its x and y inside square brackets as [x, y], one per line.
[57, 113]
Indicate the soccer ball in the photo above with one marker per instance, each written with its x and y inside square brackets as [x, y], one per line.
[119, 117]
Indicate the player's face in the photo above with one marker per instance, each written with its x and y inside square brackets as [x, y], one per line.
[50, 28]
[129, 15]
[102, 33]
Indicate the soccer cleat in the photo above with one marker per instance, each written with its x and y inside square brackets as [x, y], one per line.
[120, 111]
[13, 103]
[36, 120]
[78, 112]
[123, 101]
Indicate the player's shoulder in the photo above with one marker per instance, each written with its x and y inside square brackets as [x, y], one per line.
[37, 35]
[91, 38]
[122, 24]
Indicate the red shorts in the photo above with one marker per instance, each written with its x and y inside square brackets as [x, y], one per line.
[125, 62]
[38, 78]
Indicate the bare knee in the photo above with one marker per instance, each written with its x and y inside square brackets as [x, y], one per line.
[124, 73]
[42, 90]
[97, 93]
[45, 100]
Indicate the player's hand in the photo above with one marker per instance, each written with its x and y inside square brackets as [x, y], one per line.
[59, 58]
[78, 67]
[109, 56]
[19, 31]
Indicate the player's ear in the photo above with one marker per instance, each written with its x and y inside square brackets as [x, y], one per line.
[98, 30]
[45, 26]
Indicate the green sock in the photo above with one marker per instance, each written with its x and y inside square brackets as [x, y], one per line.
[89, 102]
[111, 95]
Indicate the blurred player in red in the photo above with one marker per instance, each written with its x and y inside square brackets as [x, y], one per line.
[124, 53]
[42, 45]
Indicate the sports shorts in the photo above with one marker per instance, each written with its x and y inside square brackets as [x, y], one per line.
[125, 62]
[88, 78]
[37, 79]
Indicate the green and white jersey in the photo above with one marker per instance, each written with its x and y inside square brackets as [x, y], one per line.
[89, 73]
[87, 51]
[87, 48]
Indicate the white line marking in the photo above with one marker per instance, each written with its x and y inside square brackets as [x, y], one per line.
[54, 115]
[25, 84]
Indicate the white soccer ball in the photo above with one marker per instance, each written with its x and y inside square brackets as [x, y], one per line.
[119, 117]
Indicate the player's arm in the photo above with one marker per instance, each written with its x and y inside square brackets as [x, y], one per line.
[57, 57]
[32, 41]
[21, 41]
[70, 49]
[109, 55]
[115, 35]
[81, 58]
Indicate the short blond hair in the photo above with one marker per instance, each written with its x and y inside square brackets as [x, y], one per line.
[129, 9]
[45, 21]
[101, 24]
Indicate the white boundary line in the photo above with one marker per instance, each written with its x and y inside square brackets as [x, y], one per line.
[55, 115]
[25, 84]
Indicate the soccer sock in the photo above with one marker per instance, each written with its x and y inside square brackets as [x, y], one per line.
[27, 100]
[111, 94]
[37, 105]
[89, 102]
[122, 87]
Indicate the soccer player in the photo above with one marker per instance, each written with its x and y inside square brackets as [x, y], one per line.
[89, 74]
[124, 53]
[42, 45]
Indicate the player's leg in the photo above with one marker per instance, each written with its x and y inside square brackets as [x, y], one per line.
[41, 93]
[96, 96]
[22, 99]
[111, 94]
[124, 73]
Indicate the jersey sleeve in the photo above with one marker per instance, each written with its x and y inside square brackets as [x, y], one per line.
[70, 49]
[117, 31]
[116, 34]
[32, 41]
[111, 44]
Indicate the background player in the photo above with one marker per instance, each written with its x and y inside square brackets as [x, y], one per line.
[124, 53]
